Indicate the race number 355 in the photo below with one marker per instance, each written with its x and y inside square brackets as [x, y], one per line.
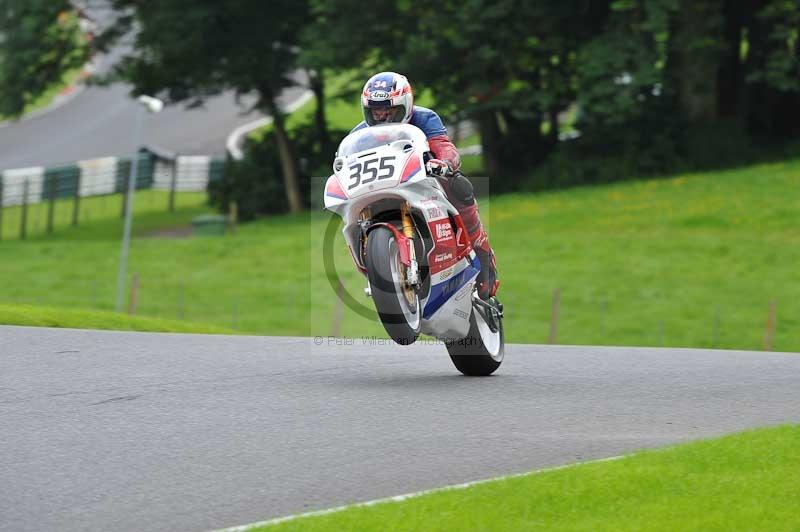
[367, 171]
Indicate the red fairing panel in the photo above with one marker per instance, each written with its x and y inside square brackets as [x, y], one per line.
[443, 148]
[445, 250]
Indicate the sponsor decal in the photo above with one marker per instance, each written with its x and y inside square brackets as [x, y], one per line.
[441, 257]
[464, 291]
[441, 292]
[443, 232]
[379, 95]
[447, 273]
[451, 286]
[461, 314]
[435, 212]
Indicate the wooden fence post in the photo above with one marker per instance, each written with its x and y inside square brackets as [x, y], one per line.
[336, 325]
[76, 205]
[125, 186]
[23, 224]
[182, 301]
[1, 207]
[715, 328]
[134, 298]
[602, 317]
[52, 182]
[173, 185]
[235, 314]
[233, 216]
[769, 328]
[553, 339]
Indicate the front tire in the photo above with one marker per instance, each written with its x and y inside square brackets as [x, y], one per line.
[481, 352]
[397, 304]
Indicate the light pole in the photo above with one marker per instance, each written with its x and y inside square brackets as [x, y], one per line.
[153, 105]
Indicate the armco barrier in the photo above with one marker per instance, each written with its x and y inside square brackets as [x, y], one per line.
[156, 169]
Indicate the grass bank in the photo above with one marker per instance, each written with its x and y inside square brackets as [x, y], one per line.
[27, 315]
[689, 261]
[747, 481]
[100, 217]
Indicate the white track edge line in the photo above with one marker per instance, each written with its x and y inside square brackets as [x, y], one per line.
[413, 495]
[234, 141]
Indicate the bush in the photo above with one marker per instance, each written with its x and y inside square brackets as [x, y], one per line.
[256, 183]
[649, 145]
[645, 144]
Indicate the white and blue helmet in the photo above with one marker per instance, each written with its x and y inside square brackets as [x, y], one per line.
[389, 91]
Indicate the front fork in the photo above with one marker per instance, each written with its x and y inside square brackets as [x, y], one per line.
[405, 243]
[412, 270]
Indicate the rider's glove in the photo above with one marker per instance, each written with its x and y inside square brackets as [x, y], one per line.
[438, 167]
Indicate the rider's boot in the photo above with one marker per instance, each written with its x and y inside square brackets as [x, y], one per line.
[459, 189]
[487, 279]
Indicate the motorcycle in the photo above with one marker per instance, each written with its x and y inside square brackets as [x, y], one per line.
[412, 246]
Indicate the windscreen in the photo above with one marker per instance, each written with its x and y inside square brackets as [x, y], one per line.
[374, 136]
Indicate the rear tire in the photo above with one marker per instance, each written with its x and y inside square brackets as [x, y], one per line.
[481, 352]
[397, 305]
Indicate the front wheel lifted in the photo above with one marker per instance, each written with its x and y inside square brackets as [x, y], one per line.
[481, 352]
[397, 303]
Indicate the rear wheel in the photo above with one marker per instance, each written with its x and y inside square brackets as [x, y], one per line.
[481, 352]
[397, 302]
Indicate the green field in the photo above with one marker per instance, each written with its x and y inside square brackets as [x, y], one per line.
[98, 213]
[748, 481]
[688, 261]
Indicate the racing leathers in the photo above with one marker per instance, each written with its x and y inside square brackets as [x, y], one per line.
[459, 192]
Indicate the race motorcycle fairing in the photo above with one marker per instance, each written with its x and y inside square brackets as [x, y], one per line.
[411, 243]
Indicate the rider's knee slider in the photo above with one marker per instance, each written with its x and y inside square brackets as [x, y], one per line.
[461, 190]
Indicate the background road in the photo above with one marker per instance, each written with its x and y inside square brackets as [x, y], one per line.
[99, 122]
[127, 431]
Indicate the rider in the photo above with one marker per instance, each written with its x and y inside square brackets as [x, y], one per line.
[387, 98]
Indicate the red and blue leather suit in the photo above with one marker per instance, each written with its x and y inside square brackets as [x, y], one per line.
[444, 149]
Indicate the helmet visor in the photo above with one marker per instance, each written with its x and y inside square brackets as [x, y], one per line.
[384, 114]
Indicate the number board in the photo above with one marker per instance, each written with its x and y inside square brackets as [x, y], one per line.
[372, 169]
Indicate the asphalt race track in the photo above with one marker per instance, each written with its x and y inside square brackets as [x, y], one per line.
[99, 122]
[129, 431]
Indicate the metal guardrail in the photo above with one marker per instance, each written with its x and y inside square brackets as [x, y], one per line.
[157, 170]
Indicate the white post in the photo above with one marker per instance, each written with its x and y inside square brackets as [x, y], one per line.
[154, 105]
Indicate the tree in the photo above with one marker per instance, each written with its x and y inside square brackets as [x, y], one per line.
[506, 64]
[696, 54]
[187, 50]
[658, 83]
[772, 69]
[41, 42]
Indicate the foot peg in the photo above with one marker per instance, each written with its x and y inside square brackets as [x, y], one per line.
[491, 310]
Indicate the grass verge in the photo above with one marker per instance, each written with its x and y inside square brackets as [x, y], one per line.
[101, 216]
[27, 315]
[689, 261]
[747, 481]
